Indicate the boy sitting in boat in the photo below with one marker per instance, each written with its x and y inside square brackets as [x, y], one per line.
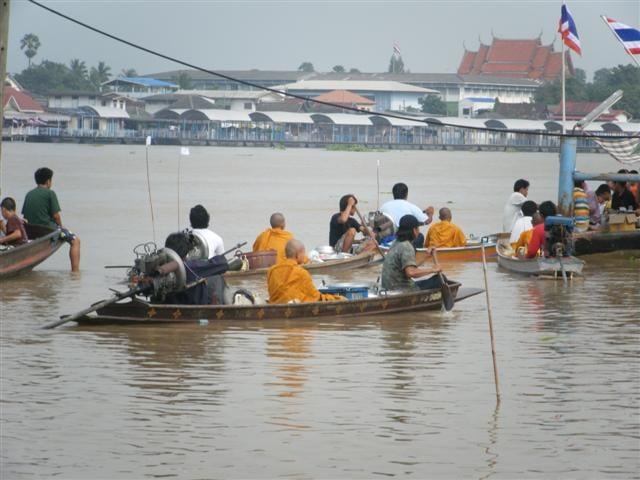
[41, 207]
[289, 282]
[14, 232]
[343, 228]
[400, 266]
[275, 238]
[523, 223]
[445, 234]
[521, 246]
[199, 219]
[538, 236]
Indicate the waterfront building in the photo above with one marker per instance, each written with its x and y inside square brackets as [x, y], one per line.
[472, 107]
[137, 87]
[345, 98]
[578, 110]
[240, 100]
[205, 81]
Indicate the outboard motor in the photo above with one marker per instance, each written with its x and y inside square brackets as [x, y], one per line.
[382, 226]
[558, 238]
[160, 272]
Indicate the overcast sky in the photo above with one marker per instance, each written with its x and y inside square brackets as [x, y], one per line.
[279, 35]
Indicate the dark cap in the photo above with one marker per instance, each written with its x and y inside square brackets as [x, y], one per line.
[408, 222]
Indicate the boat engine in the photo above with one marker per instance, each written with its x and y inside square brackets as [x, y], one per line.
[558, 238]
[157, 272]
[382, 226]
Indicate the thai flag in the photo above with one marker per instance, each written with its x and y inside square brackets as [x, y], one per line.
[629, 36]
[568, 31]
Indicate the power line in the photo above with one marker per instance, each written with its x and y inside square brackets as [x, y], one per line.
[302, 97]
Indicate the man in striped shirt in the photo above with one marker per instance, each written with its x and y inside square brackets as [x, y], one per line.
[580, 207]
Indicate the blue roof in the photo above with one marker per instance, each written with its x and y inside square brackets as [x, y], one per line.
[481, 99]
[147, 82]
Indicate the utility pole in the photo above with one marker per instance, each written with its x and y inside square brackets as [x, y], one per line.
[4, 49]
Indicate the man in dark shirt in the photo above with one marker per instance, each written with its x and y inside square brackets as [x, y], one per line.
[622, 197]
[343, 227]
[41, 207]
[208, 292]
[15, 233]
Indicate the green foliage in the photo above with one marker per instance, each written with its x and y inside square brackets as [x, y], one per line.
[51, 76]
[30, 43]
[306, 67]
[338, 69]
[79, 68]
[183, 80]
[100, 74]
[129, 72]
[605, 82]
[354, 70]
[433, 104]
[396, 65]
[350, 147]
[581, 75]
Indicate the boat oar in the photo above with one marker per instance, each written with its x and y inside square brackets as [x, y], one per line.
[447, 296]
[369, 232]
[96, 306]
[493, 342]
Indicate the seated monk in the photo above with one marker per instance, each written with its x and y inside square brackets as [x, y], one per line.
[521, 246]
[288, 281]
[275, 238]
[445, 234]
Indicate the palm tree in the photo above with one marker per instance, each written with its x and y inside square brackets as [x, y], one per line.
[99, 74]
[78, 68]
[30, 43]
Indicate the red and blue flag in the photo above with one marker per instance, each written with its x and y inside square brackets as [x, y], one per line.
[568, 31]
[629, 36]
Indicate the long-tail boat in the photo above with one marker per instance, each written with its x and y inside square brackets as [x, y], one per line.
[472, 252]
[554, 267]
[43, 242]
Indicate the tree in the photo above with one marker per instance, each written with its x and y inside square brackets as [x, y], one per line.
[50, 76]
[183, 80]
[78, 68]
[100, 74]
[396, 65]
[433, 104]
[354, 70]
[306, 67]
[338, 69]
[580, 75]
[129, 72]
[30, 43]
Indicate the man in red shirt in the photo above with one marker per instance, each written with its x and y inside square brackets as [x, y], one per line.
[546, 209]
[15, 233]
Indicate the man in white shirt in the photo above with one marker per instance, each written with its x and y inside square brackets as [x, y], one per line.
[523, 223]
[399, 207]
[512, 209]
[199, 218]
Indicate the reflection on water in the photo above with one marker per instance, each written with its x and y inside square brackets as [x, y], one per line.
[408, 396]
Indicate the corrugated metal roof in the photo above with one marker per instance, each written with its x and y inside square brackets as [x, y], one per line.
[619, 126]
[144, 81]
[396, 122]
[106, 112]
[216, 115]
[341, 119]
[281, 117]
[169, 113]
[357, 86]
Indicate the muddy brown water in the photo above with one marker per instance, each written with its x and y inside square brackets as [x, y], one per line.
[399, 396]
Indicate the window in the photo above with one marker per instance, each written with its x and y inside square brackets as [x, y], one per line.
[75, 101]
[248, 106]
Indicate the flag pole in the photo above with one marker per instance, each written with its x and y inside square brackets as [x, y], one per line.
[564, 104]
[615, 34]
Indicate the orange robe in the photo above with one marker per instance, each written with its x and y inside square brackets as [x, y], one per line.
[523, 240]
[445, 234]
[274, 239]
[289, 281]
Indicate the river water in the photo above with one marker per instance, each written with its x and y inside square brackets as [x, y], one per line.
[405, 396]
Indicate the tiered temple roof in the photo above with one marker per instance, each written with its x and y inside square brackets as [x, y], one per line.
[515, 58]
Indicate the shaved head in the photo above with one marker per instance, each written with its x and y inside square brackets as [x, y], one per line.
[536, 219]
[277, 220]
[445, 214]
[293, 248]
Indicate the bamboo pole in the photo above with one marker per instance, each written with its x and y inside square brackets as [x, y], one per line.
[493, 342]
[4, 48]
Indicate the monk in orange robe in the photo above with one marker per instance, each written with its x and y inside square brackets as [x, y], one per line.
[275, 238]
[288, 281]
[525, 237]
[445, 234]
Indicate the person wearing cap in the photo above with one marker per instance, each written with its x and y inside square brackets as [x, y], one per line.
[512, 210]
[400, 266]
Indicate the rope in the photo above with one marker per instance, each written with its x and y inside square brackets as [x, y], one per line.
[302, 97]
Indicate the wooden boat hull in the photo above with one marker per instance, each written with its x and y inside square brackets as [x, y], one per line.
[45, 241]
[141, 312]
[327, 267]
[469, 253]
[603, 242]
[548, 266]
